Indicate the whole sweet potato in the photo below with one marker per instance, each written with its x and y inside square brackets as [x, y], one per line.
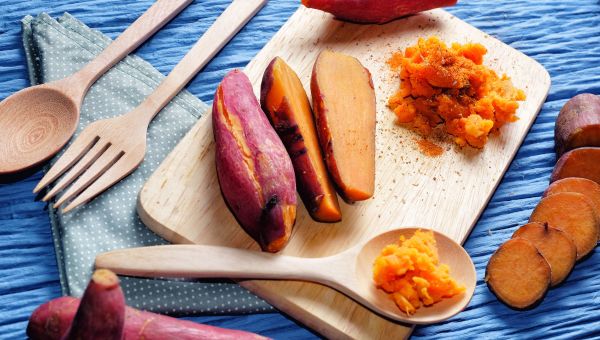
[254, 169]
[375, 11]
[578, 123]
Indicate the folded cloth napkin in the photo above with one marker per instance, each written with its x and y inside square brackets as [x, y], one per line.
[55, 49]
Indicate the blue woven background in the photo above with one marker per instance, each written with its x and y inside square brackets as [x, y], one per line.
[563, 35]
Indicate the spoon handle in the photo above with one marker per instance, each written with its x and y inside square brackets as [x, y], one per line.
[201, 261]
[161, 12]
[235, 16]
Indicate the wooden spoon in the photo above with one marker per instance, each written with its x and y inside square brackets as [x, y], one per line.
[37, 121]
[349, 272]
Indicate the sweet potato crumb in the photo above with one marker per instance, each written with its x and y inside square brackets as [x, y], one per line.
[449, 87]
[411, 273]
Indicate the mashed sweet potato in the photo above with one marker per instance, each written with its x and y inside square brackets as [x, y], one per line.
[411, 273]
[450, 87]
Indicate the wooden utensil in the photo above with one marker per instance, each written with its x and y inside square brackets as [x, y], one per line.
[110, 149]
[37, 121]
[350, 272]
[182, 202]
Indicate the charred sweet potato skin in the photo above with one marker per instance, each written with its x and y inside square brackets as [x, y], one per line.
[254, 170]
[288, 109]
[374, 11]
[581, 162]
[578, 123]
[518, 274]
[363, 148]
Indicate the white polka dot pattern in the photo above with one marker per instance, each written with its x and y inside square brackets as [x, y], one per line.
[56, 49]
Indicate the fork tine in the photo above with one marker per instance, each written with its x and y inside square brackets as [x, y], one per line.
[79, 147]
[108, 158]
[118, 171]
[77, 169]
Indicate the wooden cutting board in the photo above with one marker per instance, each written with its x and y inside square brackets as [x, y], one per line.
[182, 202]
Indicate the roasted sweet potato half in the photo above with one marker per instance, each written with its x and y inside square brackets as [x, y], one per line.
[586, 187]
[286, 104]
[578, 123]
[574, 214]
[375, 11]
[518, 274]
[254, 170]
[581, 162]
[555, 246]
[344, 107]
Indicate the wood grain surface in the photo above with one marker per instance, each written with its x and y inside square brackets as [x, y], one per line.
[182, 202]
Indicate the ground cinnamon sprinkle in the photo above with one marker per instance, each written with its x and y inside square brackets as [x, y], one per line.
[450, 87]
[429, 148]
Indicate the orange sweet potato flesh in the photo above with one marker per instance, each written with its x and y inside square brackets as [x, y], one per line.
[518, 274]
[375, 11]
[578, 123]
[584, 186]
[344, 107]
[581, 162]
[574, 214]
[555, 246]
[287, 106]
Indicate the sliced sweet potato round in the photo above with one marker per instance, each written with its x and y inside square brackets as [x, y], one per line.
[572, 213]
[580, 162]
[583, 186]
[555, 246]
[518, 274]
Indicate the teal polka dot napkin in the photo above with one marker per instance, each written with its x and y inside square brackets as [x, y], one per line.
[56, 49]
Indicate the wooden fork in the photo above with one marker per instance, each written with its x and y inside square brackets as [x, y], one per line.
[110, 149]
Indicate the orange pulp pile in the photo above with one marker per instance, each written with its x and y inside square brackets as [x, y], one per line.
[450, 87]
[411, 273]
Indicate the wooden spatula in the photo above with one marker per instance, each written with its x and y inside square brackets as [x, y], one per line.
[108, 150]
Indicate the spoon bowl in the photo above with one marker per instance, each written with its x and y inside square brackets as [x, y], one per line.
[450, 253]
[35, 123]
[349, 272]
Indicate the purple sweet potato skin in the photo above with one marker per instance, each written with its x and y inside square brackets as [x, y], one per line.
[51, 321]
[101, 313]
[375, 11]
[578, 123]
[257, 197]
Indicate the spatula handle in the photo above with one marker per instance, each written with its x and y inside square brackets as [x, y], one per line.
[161, 12]
[200, 261]
[235, 16]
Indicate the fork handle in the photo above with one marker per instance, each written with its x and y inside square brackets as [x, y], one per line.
[235, 16]
[161, 12]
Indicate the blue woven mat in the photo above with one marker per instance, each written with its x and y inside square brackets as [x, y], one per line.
[563, 35]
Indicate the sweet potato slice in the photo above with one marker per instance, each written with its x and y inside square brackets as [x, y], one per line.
[286, 104]
[584, 186]
[572, 213]
[578, 123]
[581, 162]
[518, 274]
[555, 246]
[374, 11]
[344, 106]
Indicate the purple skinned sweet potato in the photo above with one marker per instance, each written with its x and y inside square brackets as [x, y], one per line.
[375, 11]
[54, 319]
[254, 169]
[578, 123]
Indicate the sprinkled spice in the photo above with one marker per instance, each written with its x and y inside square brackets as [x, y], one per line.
[429, 148]
[449, 87]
